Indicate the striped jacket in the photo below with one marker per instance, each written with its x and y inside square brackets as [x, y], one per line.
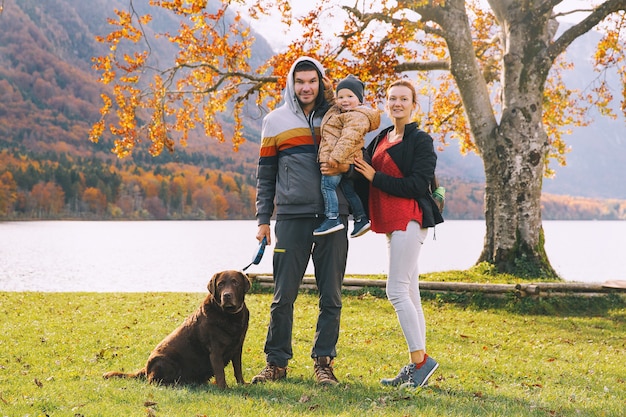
[288, 174]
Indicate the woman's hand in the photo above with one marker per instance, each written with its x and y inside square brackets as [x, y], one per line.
[364, 169]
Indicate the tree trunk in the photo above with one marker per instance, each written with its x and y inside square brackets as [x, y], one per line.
[515, 153]
[514, 148]
[514, 163]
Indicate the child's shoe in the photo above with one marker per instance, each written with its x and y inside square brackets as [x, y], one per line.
[361, 226]
[328, 226]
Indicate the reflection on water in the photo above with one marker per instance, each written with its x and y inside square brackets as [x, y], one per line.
[182, 256]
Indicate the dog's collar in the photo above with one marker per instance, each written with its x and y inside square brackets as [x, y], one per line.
[216, 304]
[239, 310]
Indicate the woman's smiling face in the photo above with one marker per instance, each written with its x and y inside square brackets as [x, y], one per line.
[400, 102]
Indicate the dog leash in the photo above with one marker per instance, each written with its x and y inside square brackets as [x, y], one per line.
[258, 255]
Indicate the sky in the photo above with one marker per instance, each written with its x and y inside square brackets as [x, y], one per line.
[279, 35]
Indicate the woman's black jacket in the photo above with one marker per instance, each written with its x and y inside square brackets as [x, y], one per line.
[416, 158]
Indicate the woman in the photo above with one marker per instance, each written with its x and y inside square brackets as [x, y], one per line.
[403, 161]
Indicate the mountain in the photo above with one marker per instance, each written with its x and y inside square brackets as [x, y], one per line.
[49, 97]
[49, 94]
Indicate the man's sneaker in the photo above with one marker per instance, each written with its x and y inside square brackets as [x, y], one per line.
[361, 226]
[418, 377]
[271, 372]
[328, 226]
[324, 371]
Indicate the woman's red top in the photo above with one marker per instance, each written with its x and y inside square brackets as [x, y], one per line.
[388, 212]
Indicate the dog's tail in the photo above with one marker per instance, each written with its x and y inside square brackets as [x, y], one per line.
[116, 374]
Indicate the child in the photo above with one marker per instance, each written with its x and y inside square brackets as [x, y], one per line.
[343, 130]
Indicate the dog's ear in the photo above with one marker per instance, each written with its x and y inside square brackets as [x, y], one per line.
[212, 285]
[247, 282]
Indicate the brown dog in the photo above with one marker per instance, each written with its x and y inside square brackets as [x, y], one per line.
[207, 340]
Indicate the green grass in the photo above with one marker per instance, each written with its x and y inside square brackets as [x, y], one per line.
[497, 358]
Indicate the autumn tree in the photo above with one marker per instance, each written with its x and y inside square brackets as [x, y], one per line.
[46, 199]
[489, 74]
[95, 200]
[8, 193]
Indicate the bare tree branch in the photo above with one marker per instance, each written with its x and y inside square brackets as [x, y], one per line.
[548, 5]
[570, 35]
[227, 74]
[570, 12]
[423, 66]
[367, 18]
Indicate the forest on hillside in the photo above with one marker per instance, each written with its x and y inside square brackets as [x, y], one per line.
[62, 188]
[50, 97]
[67, 187]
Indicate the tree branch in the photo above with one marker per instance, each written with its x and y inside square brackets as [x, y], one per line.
[423, 66]
[224, 75]
[570, 35]
[453, 20]
[548, 5]
[367, 18]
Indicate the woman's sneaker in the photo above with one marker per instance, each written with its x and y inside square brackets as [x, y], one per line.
[361, 226]
[328, 226]
[419, 376]
[410, 376]
[401, 378]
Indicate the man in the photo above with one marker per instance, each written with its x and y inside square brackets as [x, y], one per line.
[288, 180]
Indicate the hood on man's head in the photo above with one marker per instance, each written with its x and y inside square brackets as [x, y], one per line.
[305, 63]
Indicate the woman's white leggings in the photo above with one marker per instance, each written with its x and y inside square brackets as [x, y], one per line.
[403, 283]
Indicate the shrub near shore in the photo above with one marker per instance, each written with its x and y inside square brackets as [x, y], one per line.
[495, 359]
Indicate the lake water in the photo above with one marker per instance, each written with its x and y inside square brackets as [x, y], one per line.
[182, 256]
